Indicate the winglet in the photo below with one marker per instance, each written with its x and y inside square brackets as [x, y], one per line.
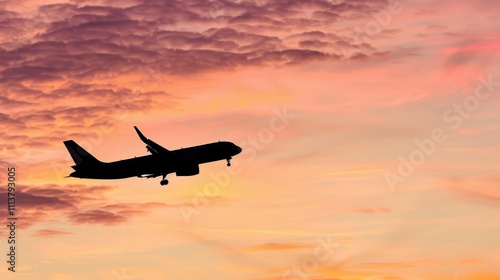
[143, 138]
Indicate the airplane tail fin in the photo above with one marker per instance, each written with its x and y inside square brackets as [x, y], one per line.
[79, 155]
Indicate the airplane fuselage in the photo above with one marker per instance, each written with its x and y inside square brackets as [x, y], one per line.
[157, 164]
[161, 162]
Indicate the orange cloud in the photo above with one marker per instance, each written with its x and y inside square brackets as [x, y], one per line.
[381, 210]
[278, 246]
[49, 233]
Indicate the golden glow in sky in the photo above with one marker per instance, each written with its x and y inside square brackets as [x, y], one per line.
[369, 129]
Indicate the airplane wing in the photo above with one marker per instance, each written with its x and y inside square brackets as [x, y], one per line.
[153, 147]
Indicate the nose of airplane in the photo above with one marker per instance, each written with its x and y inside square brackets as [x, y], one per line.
[238, 149]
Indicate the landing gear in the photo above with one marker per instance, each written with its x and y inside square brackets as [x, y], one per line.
[228, 161]
[164, 181]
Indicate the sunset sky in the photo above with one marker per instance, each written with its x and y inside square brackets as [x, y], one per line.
[370, 132]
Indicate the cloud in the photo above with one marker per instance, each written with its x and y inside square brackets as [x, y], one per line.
[475, 54]
[49, 233]
[112, 213]
[278, 247]
[381, 210]
[80, 204]
[481, 190]
[425, 12]
[397, 265]
[96, 217]
[109, 214]
[76, 66]
[86, 41]
[483, 275]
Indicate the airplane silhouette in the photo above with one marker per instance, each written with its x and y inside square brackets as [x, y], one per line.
[184, 162]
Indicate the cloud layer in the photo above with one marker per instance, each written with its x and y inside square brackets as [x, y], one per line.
[362, 78]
